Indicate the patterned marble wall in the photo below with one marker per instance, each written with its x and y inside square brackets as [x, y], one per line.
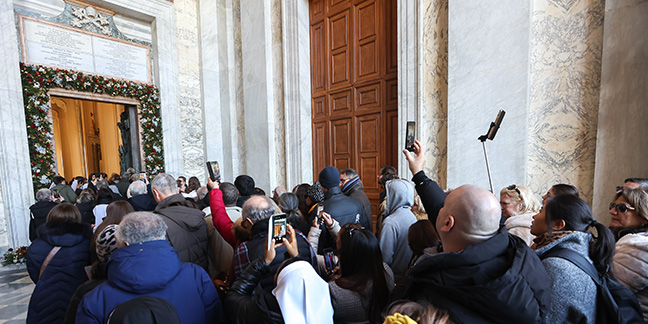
[189, 80]
[4, 227]
[564, 72]
[278, 88]
[434, 92]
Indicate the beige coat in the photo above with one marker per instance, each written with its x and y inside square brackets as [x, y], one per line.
[520, 226]
[630, 266]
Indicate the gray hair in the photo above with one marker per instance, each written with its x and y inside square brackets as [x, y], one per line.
[258, 208]
[349, 172]
[165, 184]
[141, 227]
[136, 188]
[202, 192]
[102, 184]
[43, 195]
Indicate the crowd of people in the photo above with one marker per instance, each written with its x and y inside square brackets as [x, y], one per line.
[125, 249]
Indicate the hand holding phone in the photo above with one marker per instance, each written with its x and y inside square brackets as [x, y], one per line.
[277, 228]
[318, 217]
[214, 170]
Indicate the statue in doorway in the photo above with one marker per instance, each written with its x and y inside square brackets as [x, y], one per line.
[125, 159]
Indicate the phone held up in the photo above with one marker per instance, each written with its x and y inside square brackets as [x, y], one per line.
[277, 228]
[410, 136]
[318, 217]
[214, 170]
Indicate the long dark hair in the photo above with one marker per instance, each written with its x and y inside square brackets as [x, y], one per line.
[289, 204]
[564, 189]
[361, 262]
[301, 191]
[193, 184]
[578, 217]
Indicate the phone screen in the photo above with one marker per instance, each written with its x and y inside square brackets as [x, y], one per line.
[214, 170]
[278, 227]
[142, 176]
[410, 135]
[320, 209]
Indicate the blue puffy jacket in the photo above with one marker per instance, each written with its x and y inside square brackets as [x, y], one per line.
[63, 275]
[153, 269]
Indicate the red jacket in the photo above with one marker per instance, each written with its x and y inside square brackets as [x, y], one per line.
[221, 220]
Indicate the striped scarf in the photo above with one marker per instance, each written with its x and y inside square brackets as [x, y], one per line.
[350, 184]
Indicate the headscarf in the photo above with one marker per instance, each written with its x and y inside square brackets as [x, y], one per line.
[315, 192]
[302, 295]
[106, 242]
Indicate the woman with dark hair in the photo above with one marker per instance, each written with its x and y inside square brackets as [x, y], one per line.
[564, 223]
[314, 197]
[86, 202]
[192, 187]
[559, 190]
[362, 291]
[104, 197]
[301, 191]
[420, 236]
[629, 222]
[55, 262]
[289, 203]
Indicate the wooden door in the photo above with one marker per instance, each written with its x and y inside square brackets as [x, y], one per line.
[354, 87]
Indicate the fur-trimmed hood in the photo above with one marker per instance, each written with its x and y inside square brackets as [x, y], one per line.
[64, 234]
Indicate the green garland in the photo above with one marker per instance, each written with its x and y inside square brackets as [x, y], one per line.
[37, 80]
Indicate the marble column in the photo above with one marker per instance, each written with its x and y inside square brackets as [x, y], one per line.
[487, 71]
[423, 81]
[564, 73]
[620, 146]
[16, 193]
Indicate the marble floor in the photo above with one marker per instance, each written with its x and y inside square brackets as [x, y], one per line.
[15, 290]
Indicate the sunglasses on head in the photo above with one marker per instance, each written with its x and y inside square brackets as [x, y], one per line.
[514, 187]
[622, 208]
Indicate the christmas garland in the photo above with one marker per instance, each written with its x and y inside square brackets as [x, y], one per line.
[37, 80]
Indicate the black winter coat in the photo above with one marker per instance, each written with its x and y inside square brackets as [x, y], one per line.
[357, 192]
[142, 202]
[241, 306]
[500, 280]
[87, 216]
[63, 275]
[187, 230]
[344, 210]
[39, 211]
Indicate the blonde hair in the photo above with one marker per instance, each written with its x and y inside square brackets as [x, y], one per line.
[637, 198]
[525, 197]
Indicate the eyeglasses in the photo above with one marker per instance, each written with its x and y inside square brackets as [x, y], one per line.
[514, 187]
[622, 208]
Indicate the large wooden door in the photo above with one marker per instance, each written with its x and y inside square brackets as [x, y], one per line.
[354, 87]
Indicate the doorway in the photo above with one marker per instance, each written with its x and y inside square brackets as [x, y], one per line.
[354, 88]
[88, 136]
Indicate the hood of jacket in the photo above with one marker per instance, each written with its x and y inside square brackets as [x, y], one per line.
[64, 234]
[485, 281]
[143, 267]
[142, 202]
[523, 220]
[400, 194]
[178, 209]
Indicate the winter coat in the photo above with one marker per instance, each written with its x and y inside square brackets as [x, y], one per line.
[344, 210]
[499, 280]
[630, 266]
[142, 202]
[356, 191]
[63, 274]
[153, 269]
[573, 292]
[242, 306]
[39, 211]
[520, 225]
[187, 230]
[87, 216]
[66, 192]
[393, 236]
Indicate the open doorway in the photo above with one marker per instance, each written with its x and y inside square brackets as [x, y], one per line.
[91, 136]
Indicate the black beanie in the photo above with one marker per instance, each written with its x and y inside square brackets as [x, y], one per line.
[329, 177]
[245, 185]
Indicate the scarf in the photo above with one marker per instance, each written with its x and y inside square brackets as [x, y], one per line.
[546, 238]
[347, 187]
[302, 295]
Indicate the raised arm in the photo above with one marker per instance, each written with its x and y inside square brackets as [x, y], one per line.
[432, 196]
[222, 222]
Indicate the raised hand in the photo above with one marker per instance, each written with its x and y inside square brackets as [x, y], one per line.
[417, 162]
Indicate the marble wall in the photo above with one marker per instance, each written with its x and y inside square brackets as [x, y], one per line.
[620, 146]
[488, 44]
[189, 81]
[564, 73]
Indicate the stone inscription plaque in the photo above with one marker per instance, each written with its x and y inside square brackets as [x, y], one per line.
[60, 46]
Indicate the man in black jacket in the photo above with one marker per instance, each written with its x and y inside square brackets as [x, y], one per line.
[353, 187]
[484, 274]
[39, 211]
[187, 230]
[342, 208]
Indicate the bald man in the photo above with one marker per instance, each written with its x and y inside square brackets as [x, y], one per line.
[483, 274]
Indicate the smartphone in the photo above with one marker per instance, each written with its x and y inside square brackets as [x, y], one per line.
[320, 209]
[410, 135]
[492, 131]
[277, 228]
[142, 176]
[329, 257]
[214, 170]
[56, 194]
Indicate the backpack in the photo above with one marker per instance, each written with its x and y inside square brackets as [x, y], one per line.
[615, 303]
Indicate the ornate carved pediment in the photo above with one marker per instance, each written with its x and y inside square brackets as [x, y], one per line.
[88, 15]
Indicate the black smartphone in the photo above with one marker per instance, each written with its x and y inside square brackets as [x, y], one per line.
[492, 131]
[329, 257]
[318, 217]
[410, 135]
[277, 228]
[56, 194]
[214, 170]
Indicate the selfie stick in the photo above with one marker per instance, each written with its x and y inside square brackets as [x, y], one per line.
[492, 130]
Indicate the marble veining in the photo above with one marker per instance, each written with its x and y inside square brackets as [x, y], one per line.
[279, 177]
[4, 228]
[565, 70]
[434, 84]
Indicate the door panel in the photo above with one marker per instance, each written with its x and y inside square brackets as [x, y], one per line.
[355, 88]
